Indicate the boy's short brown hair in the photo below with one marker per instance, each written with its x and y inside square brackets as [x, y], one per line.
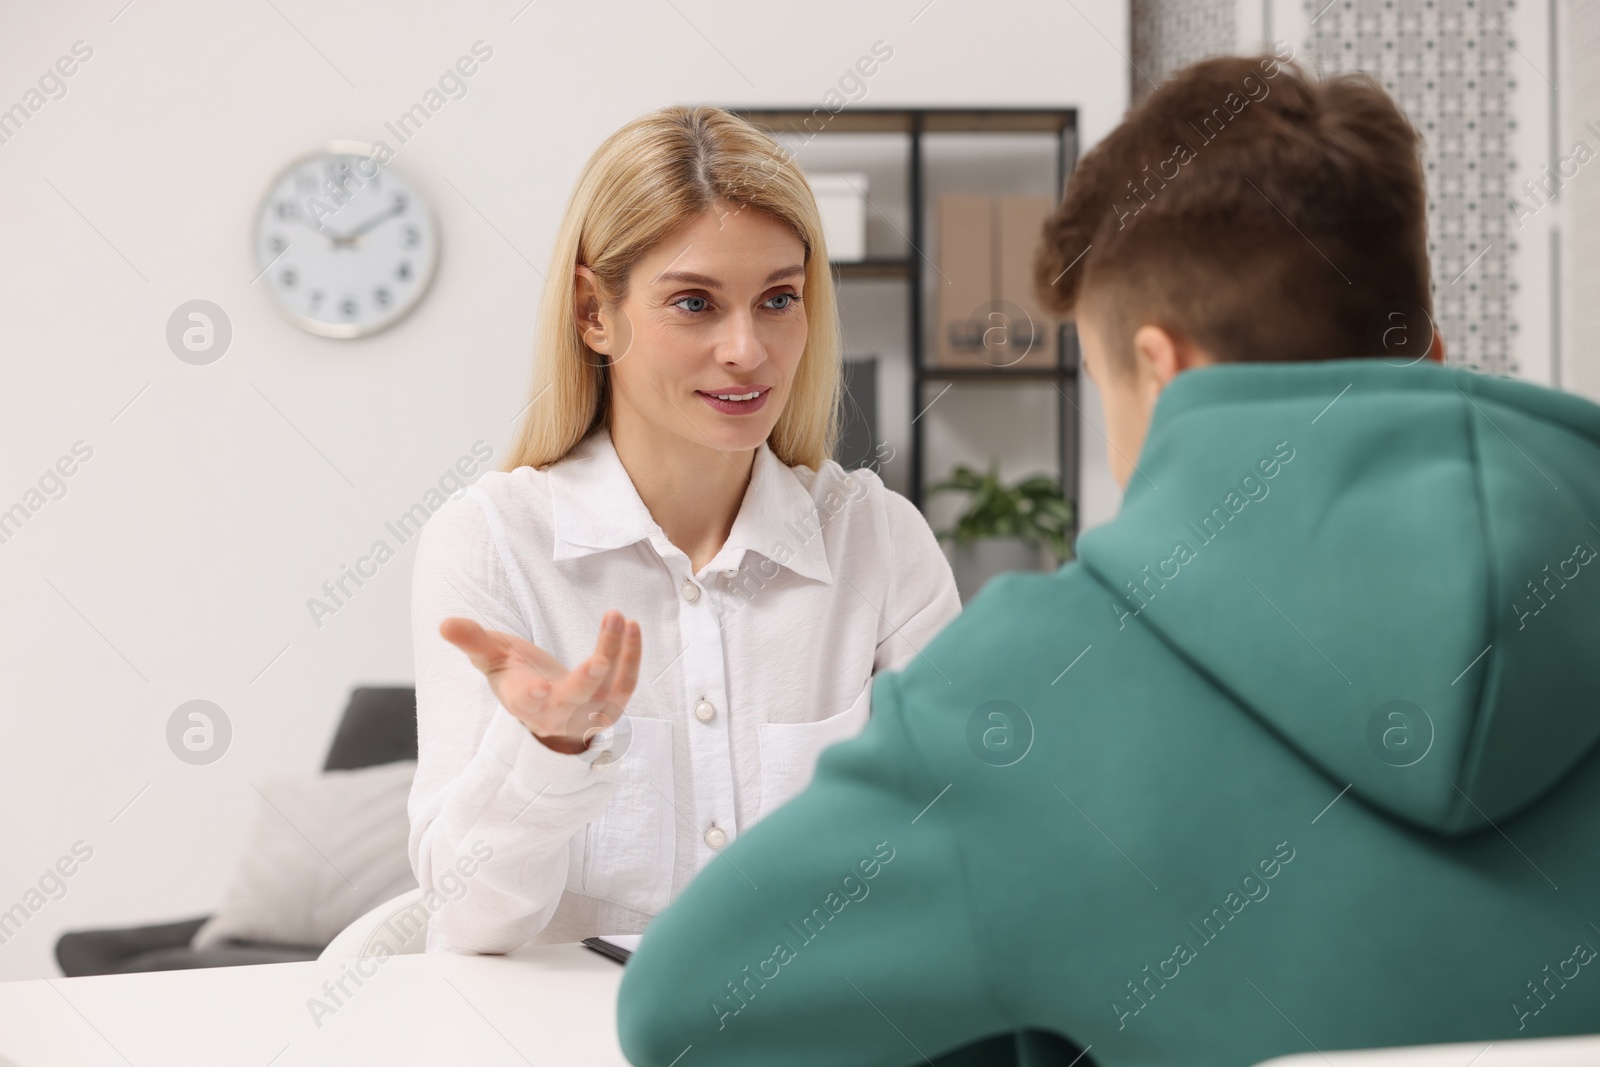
[1254, 210]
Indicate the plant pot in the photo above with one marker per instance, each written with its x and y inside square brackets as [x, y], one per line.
[976, 563]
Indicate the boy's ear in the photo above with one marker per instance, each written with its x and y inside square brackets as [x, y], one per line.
[1436, 351]
[1163, 355]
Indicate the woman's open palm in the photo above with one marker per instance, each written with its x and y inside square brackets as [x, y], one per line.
[562, 708]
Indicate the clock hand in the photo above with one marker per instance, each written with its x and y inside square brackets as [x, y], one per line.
[370, 223]
[327, 233]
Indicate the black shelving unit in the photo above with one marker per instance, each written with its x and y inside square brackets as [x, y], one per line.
[916, 123]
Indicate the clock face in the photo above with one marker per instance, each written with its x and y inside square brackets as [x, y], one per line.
[344, 245]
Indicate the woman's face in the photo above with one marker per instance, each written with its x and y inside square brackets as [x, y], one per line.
[713, 309]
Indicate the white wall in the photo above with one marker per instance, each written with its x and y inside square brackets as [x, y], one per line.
[218, 499]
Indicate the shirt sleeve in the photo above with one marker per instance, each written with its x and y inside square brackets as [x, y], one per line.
[838, 931]
[484, 784]
[922, 587]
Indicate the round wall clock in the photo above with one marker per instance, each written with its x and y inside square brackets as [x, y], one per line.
[345, 245]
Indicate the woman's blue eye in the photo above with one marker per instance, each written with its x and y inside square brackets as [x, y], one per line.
[791, 298]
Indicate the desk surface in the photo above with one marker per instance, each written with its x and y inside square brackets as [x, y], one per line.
[1536, 1052]
[547, 1004]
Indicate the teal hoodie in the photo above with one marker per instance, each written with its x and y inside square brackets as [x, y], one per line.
[1297, 755]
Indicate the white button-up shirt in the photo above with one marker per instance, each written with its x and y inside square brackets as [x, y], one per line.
[749, 668]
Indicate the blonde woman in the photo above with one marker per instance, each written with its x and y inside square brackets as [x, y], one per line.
[669, 527]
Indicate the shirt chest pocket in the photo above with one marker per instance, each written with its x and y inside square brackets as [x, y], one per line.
[789, 750]
[628, 851]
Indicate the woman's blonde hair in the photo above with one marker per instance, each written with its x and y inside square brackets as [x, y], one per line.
[652, 176]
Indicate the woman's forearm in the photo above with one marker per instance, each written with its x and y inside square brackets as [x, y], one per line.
[525, 803]
[483, 779]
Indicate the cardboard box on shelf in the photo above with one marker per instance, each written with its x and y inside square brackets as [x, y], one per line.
[985, 311]
[1031, 335]
[965, 280]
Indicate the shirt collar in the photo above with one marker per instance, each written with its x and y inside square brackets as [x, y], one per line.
[596, 507]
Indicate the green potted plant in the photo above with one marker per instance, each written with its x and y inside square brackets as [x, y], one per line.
[1025, 526]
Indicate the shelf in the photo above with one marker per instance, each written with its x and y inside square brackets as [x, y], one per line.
[810, 121]
[807, 122]
[872, 268]
[1008, 120]
[998, 374]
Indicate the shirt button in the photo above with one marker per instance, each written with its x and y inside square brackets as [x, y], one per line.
[705, 711]
[690, 591]
[715, 837]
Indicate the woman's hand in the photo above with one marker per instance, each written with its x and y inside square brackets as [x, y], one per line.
[562, 708]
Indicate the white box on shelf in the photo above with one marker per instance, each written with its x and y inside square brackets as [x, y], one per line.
[842, 202]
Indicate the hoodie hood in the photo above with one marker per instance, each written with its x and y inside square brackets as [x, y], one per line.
[1396, 569]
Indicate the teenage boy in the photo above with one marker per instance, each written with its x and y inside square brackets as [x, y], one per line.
[1299, 754]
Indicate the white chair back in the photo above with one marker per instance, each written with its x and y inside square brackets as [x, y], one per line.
[400, 925]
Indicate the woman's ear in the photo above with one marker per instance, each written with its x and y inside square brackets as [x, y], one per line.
[586, 310]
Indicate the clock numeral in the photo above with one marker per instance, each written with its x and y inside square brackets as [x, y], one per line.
[288, 278]
[316, 299]
[347, 307]
[305, 181]
[413, 237]
[287, 210]
[380, 296]
[400, 203]
[277, 244]
[337, 176]
[403, 271]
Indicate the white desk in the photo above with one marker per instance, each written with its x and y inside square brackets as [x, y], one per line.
[1537, 1052]
[542, 1005]
[550, 1004]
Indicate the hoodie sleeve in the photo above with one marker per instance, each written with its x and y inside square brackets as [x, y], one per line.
[484, 783]
[838, 931]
